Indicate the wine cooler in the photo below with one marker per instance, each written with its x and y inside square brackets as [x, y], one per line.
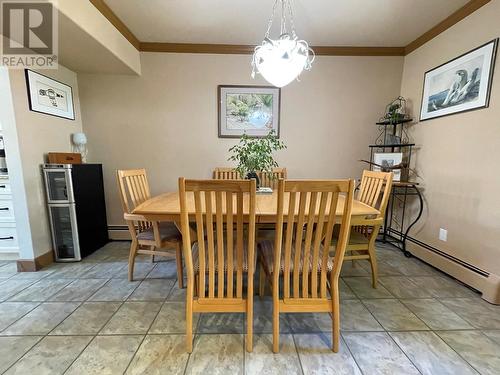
[77, 209]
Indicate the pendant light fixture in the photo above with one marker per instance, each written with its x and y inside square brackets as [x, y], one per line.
[281, 60]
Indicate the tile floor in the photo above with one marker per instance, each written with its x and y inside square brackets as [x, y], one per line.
[86, 318]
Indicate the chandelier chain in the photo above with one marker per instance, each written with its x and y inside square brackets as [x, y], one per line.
[286, 7]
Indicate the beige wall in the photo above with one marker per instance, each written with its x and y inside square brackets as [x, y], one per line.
[38, 134]
[459, 155]
[166, 119]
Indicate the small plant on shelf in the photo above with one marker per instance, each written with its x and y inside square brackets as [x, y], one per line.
[256, 155]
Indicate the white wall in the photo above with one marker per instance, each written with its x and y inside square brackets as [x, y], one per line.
[39, 134]
[166, 119]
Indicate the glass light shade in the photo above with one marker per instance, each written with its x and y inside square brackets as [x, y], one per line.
[281, 61]
[79, 139]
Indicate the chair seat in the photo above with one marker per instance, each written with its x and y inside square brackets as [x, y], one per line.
[168, 232]
[266, 251]
[196, 263]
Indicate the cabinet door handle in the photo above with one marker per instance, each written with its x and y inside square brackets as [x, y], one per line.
[7, 238]
[4, 208]
[3, 186]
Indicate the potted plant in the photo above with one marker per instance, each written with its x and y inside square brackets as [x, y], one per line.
[256, 155]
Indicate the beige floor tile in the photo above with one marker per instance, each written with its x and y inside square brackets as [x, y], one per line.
[152, 290]
[216, 354]
[263, 318]
[430, 354]
[494, 335]
[475, 311]
[362, 286]
[354, 316]
[443, 287]
[435, 314]
[70, 271]
[41, 290]
[141, 270]
[88, 319]
[394, 316]
[38, 275]
[221, 323]
[476, 348]
[115, 290]
[164, 270]
[262, 360]
[403, 287]
[12, 311]
[104, 270]
[42, 319]
[172, 319]
[317, 357]
[106, 355]
[132, 318]
[160, 354]
[377, 353]
[51, 356]
[10, 288]
[345, 291]
[349, 270]
[177, 294]
[78, 290]
[13, 348]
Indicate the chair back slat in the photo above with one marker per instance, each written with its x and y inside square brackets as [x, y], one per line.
[303, 248]
[375, 189]
[134, 190]
[266, 179]
[219, 205]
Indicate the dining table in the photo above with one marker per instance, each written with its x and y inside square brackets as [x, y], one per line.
[166, 207]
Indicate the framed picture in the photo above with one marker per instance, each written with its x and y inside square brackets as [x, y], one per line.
[254, 110]
[460, 85]
[389, 159]
[46, 95]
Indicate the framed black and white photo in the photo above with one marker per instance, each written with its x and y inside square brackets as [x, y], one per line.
[462, 84]
[386, 160]
[46, 95]
[254, 110]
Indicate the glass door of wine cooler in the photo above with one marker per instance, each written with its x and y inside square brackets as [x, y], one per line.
[64, 232]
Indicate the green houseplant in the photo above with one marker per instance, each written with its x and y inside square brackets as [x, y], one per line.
[254, 155]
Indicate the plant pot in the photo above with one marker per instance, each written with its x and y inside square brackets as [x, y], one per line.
[254, 175]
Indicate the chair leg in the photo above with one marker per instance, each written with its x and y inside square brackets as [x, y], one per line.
[335, 316]
[373, 264]
[276, 317]
[178, 258]
[250, 315]
[131, 259]
[189, 318]
[152, 248]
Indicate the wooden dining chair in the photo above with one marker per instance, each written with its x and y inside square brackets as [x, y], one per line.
[266, 179]
[374, 190]
[300, 254]
[219, 260]
[146, 236]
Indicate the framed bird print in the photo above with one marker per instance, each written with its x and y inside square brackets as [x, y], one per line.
[462, 84]
[383, 160]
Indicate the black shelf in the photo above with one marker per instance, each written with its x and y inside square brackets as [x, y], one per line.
[396, 122]
[393, 145]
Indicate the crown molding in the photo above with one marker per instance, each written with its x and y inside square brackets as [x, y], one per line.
[242, 49]
[444, 25]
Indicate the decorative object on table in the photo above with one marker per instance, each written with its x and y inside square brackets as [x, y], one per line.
[64, 158]
[256, 155]
[250, 110]
[460, 85]
[389, 161]
[282, 60]
[395, 111]
[80, 145]
[46, 95]
[392, 126]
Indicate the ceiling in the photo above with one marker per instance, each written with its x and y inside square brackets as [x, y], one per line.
[367, 23]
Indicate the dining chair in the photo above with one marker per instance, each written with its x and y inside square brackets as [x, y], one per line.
[266, 179]
[374, 190]
[146, 236]
[299, 255]
[224, 217]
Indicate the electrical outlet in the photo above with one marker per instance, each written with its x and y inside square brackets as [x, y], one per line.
[443, 234]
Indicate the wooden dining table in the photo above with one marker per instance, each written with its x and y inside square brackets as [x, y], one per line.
[166, 207]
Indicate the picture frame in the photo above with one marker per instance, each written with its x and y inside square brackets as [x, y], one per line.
[459, 85]
[49, 96]
[388, 159]
[250, 110]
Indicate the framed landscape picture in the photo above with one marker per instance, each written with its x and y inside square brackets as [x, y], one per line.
[254, 110]
[460, 85]
[46, 95]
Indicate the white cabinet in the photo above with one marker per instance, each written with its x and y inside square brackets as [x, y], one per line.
[8, 231]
